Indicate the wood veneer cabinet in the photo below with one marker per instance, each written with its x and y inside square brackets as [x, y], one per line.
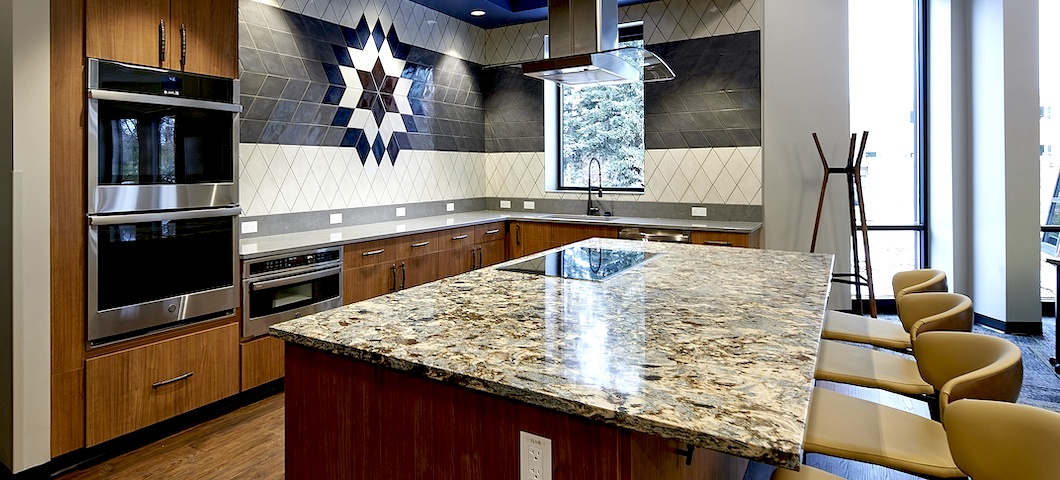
[261, 361]
[527, 238]
[199, 36]
[131, 389]
[728, 239]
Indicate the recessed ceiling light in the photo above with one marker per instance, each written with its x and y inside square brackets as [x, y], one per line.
[478, 12]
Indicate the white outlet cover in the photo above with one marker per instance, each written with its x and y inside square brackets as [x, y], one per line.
[528, 205]
[336, 237]
[699, 211]
[450, 221]
[535, 457]
[506, 204]
[400, 211]
[450, 207]
[336, 218]
[248, 227]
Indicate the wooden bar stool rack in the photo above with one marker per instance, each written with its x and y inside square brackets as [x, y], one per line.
[855, 196]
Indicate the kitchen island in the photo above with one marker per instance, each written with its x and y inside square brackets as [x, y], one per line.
[699, 354]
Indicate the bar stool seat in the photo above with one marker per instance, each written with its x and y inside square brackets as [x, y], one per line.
[843, 363]
[805, 473]
[859, 329]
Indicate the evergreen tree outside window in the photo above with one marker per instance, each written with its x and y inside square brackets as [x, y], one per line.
[605, 122]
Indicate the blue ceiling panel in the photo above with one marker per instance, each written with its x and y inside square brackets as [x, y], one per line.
[499, 13]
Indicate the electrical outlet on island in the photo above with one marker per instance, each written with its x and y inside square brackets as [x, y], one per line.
[535, 457]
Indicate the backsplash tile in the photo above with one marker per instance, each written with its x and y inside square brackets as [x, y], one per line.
[349, 105]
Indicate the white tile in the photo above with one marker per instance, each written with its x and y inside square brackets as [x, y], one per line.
[725, 185]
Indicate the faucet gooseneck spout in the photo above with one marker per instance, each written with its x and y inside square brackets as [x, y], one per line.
[590, 209]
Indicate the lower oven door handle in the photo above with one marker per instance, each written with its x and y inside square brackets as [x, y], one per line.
[280, 282]
[159, 216]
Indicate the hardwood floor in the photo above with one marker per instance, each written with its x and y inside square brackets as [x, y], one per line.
[246, 443]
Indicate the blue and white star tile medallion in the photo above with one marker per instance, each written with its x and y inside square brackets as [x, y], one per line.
[374, 91]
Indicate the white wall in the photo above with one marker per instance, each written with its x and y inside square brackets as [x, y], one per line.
[805, 89]
[1004, 159]
[26, 62]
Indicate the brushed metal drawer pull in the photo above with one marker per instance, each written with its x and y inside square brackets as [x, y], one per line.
[717, 243]
[172, 380]
[421, 244]
[460, 237]
[373, 252]
[491, 232]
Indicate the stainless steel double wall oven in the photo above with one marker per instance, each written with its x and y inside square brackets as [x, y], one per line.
[163, 198]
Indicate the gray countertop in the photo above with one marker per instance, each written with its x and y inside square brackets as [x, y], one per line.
[275, 244]
[712, 346]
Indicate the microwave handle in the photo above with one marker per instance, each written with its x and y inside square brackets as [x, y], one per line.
[131, 97]
[280, 282]
[159, 216]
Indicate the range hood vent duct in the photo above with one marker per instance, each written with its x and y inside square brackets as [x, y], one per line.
[583, 47]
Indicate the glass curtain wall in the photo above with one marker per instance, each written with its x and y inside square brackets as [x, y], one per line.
[1049, 132]
[885, 99]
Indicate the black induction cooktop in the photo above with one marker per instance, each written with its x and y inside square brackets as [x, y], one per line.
[581, 263]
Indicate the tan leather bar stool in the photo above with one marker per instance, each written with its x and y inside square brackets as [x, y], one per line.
[988, 440]
[958, 364]
[1001, 441]
[881, 333]
[866, 367]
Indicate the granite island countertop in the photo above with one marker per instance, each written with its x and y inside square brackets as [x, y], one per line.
[713, 346]
[288, 242]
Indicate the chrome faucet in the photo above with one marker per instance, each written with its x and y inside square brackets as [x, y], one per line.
[590, 209]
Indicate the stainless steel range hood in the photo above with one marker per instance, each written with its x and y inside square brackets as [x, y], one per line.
[583, 47]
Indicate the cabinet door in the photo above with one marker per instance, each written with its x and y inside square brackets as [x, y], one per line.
[369, 281]
[211, 33]
[421, 269]
[262, 361]
[128, 30]
[131, 389]
[726, 239]
[491, 253]
[525, 238]
[563, 234]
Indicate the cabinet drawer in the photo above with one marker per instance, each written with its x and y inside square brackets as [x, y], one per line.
[489, 232]
[726, 239]
[131, 389]
[421, 243]
[261, 361]
[457, 238]
[370, 253]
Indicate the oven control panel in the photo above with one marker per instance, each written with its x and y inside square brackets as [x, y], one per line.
[323, 256]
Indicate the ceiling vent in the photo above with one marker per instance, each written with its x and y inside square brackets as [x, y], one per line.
[583, 48]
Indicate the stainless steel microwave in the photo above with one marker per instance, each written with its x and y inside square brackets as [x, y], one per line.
[160, 139]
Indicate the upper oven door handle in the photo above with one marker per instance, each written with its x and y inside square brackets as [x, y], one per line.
[159, 216]
[163, 100]
[280, 282]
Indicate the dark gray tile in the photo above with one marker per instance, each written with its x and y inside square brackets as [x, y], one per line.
[275, 18]
[316, 71]
[315, 92]
[285, 44]
[683, 121]
[273, 86]
[673, 104]
[250, 130]
[294, 90]
[294, 134]
[653, 141]
[250, 83]
[250, 60]
[752, 116]
[718, 100]
[272, 132]
[743, 99]
[730, 118]
[695, 102]
[284, 111]
[262, 38]
[295, 67]
[672, 140]
[658, 122]
[245, 100]
[706, 120]
[306, 113]
[334, 136]
[274, 64]
[742, 137]
[695, 139]
[718, 138]
[316, 135]
[260, 109]
[324, 115]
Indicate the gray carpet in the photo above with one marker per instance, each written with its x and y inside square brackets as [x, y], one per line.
[1041, 388]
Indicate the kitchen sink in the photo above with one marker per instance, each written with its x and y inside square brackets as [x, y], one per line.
[591, 218]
